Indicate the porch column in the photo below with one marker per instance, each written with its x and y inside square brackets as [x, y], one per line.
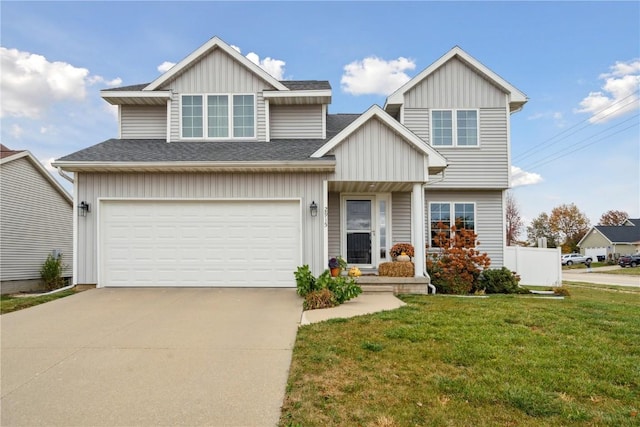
[417, 228]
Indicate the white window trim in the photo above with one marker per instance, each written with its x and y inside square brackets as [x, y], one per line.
[454, 124]
[452, 211]
[205, 117]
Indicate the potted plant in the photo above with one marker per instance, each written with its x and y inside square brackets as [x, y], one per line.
[336, 265]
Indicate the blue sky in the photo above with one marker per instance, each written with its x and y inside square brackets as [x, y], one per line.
[572, 59]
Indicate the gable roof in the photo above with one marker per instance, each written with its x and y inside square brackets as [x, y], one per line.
[436, 160]
[616, 234]
[213, 43]
[8, 155]
[516, 98]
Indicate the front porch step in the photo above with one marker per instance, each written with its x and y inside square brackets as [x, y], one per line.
[397, 285]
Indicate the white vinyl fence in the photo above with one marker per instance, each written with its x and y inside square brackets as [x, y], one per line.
[536, 266]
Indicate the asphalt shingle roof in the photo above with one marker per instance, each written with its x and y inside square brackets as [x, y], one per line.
[621, 233]
[291, 84]
[157, 150]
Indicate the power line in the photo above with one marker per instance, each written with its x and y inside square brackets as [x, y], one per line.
[525, 154]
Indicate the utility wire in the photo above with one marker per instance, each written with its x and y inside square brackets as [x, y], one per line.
[525, 154]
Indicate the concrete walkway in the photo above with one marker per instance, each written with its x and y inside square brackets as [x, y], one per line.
[364, 304]
[136, 357]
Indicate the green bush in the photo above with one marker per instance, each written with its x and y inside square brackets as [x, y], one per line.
[502, 281]
[344, 288]
[305, 282]
[51, 272]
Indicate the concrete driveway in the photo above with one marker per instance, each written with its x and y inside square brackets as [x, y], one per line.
[125, 357]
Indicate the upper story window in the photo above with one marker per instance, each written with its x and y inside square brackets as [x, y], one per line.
[454, 128]
[226, 116]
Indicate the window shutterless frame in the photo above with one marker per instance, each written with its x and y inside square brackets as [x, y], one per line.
[458, 213]
[454, 127]
[218, 116]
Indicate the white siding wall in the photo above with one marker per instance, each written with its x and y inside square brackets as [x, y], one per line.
[308, 187]
[34, 220]
[400, 218]
[489, 218]
[296, 121]
[334, 224]
[376, 153]
[455, 85]
[143, 122]
[217, 73]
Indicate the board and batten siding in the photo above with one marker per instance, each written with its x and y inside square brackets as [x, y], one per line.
[400, 218]
[35, 220]
[295, 121]
[455, 85]
[333, 223]
[375, 152]
[217, 72]
[484, 166]
[143, 122]
[489, 218]
[307, 187]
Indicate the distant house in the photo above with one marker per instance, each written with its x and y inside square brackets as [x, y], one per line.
[615, 240]
[36, 219]
[222, 175]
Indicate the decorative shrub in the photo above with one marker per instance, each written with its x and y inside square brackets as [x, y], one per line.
[51, 272]
[561, 291]
[396, 269]
[344, 288]
[338, 262]
[322, 298]
[455, 268]
[398, 248]
[305, 282]
[502, 281]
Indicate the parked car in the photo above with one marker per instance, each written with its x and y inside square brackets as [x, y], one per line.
[629, 260]
[570, 259]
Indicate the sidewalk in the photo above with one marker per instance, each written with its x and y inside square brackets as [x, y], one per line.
[364, 304]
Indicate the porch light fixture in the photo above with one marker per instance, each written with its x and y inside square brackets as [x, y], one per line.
[313, 208]
[83, 208]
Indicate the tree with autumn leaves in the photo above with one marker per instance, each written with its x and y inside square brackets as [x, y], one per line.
[564, 227]
[456, 266]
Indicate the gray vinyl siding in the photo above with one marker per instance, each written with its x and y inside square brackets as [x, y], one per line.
[484, 166]
[217, 72]
[455, 85]
[143, 122]
[307, 187]
[489, 218]
[375, 152]
[35, 219]
[295, 121]
[400, 218]
[333, 223]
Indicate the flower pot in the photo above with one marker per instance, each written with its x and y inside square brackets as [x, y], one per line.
[335, 272]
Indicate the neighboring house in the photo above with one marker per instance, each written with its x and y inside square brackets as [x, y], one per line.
[36, 219]
[607, 240]
[222, 175]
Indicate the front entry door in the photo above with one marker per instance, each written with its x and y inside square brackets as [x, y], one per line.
[359, 230]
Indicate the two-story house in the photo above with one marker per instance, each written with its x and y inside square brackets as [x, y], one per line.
[222, 175]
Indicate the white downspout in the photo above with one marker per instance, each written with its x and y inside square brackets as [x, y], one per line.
[64, 175]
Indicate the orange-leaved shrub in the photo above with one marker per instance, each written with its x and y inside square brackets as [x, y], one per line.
[456, 265]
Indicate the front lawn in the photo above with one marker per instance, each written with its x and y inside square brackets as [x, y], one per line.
[9, 303]
[502, 360]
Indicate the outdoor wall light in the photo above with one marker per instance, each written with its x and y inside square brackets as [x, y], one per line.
[313, 208]
[83, 208]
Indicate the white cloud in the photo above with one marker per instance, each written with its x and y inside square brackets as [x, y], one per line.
[556, 116]
[275, 67]
[618, 95]
[165, 66]
[236, 48]
[16, 131]
[47, 164]
[520, 177]
[30, 84]
[374, 75]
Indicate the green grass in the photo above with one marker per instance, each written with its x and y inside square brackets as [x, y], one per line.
[583, 266]
[503, 360]
[11, 303]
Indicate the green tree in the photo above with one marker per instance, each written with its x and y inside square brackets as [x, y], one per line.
[540, 228]
[570, 224]
[613, 217]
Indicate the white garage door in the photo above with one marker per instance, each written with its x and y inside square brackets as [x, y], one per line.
[245, 243]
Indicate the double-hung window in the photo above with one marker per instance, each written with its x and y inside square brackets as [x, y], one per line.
[218, 116]
[454, 128]
[442, 215]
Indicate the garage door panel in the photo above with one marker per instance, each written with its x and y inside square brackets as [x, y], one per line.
[199, 243]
